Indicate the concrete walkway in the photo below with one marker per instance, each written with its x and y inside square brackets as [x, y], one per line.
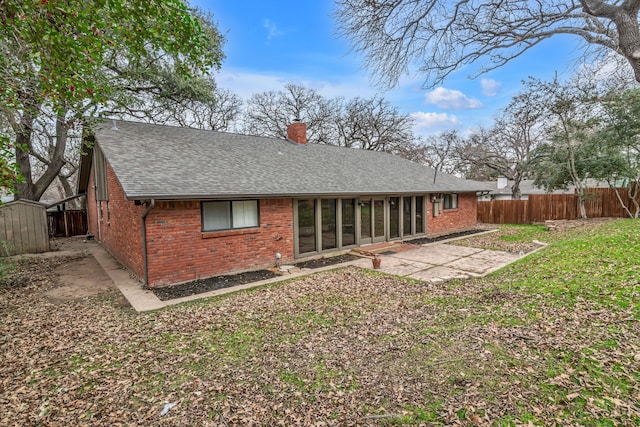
[431, 262]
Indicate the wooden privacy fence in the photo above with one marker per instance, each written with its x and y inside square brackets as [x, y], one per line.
[602, 202]
[23, 228]
[67, 223]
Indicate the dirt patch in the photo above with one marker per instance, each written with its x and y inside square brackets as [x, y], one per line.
[36, 273]
[324, 262]
[80, 278]
[211, 284]
[500, 240]
[425, 240]
[62, 277]
[221, 282]
[496, 296]
[493, 241]
[564, 225]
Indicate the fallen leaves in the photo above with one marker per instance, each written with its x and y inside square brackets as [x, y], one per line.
[337, 348]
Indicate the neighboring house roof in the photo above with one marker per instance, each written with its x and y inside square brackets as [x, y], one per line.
[527, 187]
[166, 162]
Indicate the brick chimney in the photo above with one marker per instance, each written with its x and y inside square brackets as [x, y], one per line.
[297, 131]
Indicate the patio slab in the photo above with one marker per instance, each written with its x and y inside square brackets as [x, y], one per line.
[432, 254]
[438, 274]
[443, 261]
[394, 265]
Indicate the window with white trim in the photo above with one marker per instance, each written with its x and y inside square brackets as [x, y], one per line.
[229, 214]
[451, 201]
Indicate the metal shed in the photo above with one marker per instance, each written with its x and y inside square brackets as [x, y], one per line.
[23, 228]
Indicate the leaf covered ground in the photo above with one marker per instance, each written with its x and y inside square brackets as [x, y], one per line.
[552, 339]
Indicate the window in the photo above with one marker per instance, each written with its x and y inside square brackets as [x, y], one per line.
[451, 201]
[419, 214]
[227, 215]
[394, 217]
[348, 222]
[329, 223]
[406, 216]
[306, 226]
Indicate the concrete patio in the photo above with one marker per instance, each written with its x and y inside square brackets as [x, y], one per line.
[441, 261]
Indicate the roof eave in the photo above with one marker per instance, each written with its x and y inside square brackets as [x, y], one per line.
[225, 196]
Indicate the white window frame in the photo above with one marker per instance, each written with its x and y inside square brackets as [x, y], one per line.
[239, 204]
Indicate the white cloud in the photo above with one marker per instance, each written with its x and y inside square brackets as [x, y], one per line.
[429, 122]
[246, 83]
[449, 99]
[490, 87]
[272, 29]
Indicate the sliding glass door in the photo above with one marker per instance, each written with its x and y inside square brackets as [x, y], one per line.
[372, 221]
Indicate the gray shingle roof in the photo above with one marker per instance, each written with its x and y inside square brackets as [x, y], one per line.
[165, 162]
[527, 187]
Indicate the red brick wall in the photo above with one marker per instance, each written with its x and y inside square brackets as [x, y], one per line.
[117, 223]
[179, 251]
[454, 219]
[177, 248]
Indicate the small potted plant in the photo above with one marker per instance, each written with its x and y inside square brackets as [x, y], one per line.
[376, 260]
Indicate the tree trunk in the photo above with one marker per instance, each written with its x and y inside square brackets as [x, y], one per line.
[581, 201]
[64, 181]
[34, 190]
[624, 206]
[629, 39]
[583, 209]
[24, 189]
[516, 193]
[634, 195]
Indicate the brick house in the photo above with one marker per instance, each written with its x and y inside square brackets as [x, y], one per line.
[176, 204]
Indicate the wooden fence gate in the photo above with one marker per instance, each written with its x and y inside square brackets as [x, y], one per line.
[67, 223]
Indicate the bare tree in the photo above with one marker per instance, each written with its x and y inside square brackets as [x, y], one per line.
[441, 36]
[508, 148]
[441, 152]
[477, 154]
[269, 113]
[373, 124]
[369, 124]
[220, 112]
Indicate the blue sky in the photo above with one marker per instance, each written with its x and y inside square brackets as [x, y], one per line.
[271, 43]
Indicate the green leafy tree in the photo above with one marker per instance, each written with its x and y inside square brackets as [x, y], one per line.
[615, 147]
[565, 159]
[64, 61]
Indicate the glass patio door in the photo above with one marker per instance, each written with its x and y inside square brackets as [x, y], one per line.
[372, 221]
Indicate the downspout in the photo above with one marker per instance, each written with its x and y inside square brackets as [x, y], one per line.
[145, 262]
[98, 219]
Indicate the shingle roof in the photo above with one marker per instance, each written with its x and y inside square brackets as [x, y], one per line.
[527, 186]
[165, 162]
